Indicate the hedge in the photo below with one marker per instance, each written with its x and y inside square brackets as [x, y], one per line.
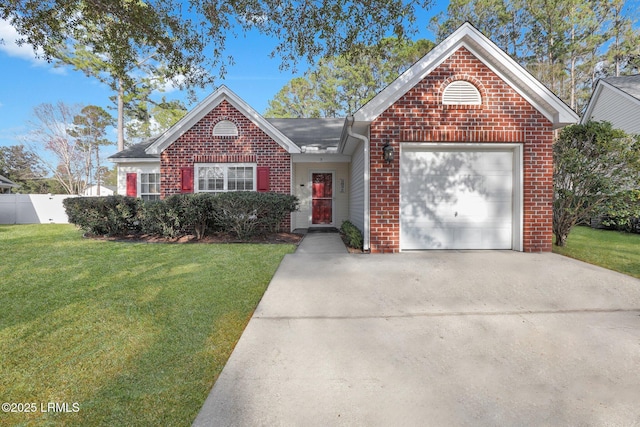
[243, 214]
[100, 216]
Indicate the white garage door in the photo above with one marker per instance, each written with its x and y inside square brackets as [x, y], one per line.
[456, 199]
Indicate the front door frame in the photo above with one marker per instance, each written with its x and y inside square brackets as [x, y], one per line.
[333, 197]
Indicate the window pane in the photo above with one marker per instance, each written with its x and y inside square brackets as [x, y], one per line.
[210, 178]
[150, 185]
[240, 178]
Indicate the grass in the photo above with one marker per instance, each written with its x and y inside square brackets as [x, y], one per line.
[135, 333]
[610, 249]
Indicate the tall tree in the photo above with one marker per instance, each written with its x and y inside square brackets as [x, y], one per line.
[584, 39]
[566, 44]
[342, 84]
[500, 20]
[23, 167]
[623, 55]
[89, 131]
[189, 38]
[186, 35]
[146, 119]
[133, 88]
[66, 157]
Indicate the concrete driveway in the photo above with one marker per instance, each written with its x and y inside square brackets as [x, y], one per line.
[436, 339]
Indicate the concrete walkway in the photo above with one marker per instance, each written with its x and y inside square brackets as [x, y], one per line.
[491, 338]
[321, 243]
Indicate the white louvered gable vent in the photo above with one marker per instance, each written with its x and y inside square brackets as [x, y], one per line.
[225, 128]
[461, 92]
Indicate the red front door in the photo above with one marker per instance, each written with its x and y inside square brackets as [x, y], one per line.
[322, 198]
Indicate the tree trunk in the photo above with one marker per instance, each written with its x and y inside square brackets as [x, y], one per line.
[561, 239]
[120, 115]
[98, 171]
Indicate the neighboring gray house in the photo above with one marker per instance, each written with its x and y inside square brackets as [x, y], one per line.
[6, 185]
[616, 100]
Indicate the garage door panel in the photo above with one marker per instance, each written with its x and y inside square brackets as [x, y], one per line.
[437, 237]
[456, 199]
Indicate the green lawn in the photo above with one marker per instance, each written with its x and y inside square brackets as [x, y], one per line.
[135, 333]
[610, 249]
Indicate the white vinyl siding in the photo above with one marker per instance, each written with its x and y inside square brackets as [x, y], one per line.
[221, 177]
[619, 109]
[356, 189]
[137, 168]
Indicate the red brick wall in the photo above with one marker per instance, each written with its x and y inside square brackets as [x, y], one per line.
[198, 145]
[504, 116]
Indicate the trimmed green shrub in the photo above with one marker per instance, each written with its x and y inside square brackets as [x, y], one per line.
[352, 234]
[246, 214]
[163, 217]
[275, 209]
[243, 214]
[198, 213]
[622, 211]
[105, 216]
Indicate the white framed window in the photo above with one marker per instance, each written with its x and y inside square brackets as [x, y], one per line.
[461, 92]
[150, 186]
[225, 128]
[220, 177]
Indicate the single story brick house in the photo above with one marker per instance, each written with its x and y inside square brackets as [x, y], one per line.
[455, 154]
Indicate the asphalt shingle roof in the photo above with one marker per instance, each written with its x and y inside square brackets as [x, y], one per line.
[137, 151]
[320, 133]
[313, 134]
[628, 84]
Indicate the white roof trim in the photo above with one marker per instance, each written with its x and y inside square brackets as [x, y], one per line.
[194, 116]
[134, 160]
[493, 57]
[600, 86]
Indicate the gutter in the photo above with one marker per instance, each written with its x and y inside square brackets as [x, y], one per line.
[367, 165]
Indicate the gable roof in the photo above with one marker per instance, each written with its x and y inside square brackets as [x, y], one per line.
[626, 86]
[137, 152]
[545, 101]
[212, 101]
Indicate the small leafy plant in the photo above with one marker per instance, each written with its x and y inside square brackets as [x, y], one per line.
[353, 235]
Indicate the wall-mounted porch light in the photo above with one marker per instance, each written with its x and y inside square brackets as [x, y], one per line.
[387, 152]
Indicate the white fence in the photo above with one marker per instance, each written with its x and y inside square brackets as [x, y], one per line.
[33, 209]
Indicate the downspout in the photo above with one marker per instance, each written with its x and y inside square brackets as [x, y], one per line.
[366, 232]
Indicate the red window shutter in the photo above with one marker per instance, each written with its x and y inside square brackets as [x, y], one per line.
[132, 184]
[263, 178]
[186, 180]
